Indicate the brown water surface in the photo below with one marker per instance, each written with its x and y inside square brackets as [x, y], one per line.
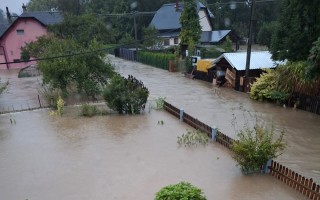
[115, 157]
[216, 106]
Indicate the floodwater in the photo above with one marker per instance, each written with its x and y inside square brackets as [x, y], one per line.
[132, 157]
[115, 157]
[217, 106]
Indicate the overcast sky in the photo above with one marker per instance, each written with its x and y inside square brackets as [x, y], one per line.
[15, 6]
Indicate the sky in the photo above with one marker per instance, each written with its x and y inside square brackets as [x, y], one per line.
[15, 6]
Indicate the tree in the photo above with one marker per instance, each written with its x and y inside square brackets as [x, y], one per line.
[83, 29]
[313, 70]
[149, 37]
[126, 95]
[266, 32]
[298, 28]
[122, 25]
[190, 25]
[42, 5]
[86, 70]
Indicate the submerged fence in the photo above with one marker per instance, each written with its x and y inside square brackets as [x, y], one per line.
[125, 53]
[301, 184]
[309, 103]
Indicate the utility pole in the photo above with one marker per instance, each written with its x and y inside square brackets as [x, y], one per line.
[249, 43]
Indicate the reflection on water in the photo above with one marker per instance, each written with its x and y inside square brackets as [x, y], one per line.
[216, 106]
[115, 157]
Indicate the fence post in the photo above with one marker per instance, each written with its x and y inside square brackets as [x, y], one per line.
[39, 101]
[266, 169]
[214, 133]
[181, 114]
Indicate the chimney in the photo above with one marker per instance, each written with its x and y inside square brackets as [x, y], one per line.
[177, 5]
[9, 16]
[24, 8]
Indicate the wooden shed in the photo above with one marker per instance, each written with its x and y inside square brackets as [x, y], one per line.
[234, 64]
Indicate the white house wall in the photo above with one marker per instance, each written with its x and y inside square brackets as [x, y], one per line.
[204, 21]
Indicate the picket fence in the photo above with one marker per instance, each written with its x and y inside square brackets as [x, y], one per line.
[298, 182]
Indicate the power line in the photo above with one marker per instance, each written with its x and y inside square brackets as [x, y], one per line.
[93, 51]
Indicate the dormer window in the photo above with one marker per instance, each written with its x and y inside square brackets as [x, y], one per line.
[20, 32]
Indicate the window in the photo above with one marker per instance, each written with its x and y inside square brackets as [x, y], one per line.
[166, 42]
[176, 40]
[20, 32]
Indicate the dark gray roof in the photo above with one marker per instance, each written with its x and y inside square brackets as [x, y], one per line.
[167, 17]
[213, 36]
[3, 28]
[45, 17]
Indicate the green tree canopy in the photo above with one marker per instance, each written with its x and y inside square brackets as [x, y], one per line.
[313, 70]
[83, 29]
[298, 28]
[64, 62]
[265, 33]
[190, 25]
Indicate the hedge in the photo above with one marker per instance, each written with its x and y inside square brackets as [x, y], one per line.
[159, 60]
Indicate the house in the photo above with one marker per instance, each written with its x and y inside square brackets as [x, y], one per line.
[234, 67]
[25, 29]
[167, 21]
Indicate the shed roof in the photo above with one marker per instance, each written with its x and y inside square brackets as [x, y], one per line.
[168, 17]
[258, 60]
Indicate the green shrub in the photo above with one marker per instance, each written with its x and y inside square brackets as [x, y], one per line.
[266, 88]
[180, 191]
[88, 110]
[256, 146]
[160, 103]
[159, 60]
[193, 138]
[126, 95]
[60, 106]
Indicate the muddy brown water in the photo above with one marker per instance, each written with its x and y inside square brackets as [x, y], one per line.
[115, 157]
[131, 157]
[216, 106]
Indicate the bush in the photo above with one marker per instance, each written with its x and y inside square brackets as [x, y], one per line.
[256, 146]
[126, 95]
[88, 110]
[182, 190]
[266, 88]
[159, 60]
[193, 138]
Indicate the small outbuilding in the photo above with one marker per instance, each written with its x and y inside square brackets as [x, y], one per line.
[234, 65]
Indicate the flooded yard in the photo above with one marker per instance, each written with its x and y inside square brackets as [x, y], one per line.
[216, 106]
[115, 157]
[132, 157]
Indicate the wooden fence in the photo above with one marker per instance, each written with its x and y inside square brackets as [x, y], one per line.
[309, 103]
[301, 184]
[126, 53]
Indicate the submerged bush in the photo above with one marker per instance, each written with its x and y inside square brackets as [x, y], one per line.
[193, 138]
[180, 191]
[256, 146]
[126, 95]
[88, 110]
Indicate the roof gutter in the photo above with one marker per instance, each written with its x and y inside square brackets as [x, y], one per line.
[5, 56]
